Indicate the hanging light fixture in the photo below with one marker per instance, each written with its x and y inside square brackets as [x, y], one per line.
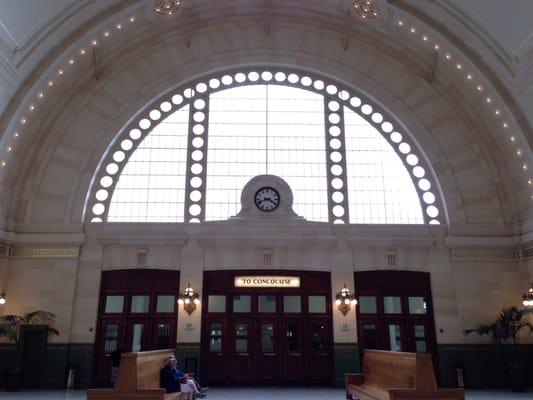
[366, 9]
[344, 299]
[189, 298]
[527, 298]
[167, 7]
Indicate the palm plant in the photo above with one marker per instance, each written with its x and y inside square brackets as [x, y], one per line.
[507, 328]
[10, 324]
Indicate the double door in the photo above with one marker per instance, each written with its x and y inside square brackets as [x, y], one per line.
[267, 351]
[396, 334]
[137, 312]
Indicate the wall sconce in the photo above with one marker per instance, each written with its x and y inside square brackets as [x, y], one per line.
[190, 299]
[344, 299]
[2, 299]
[527, 298]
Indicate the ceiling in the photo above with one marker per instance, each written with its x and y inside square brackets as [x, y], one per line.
[508, 22]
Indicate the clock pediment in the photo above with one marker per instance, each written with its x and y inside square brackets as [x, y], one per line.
[267, 197]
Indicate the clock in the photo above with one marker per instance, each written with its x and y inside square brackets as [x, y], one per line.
[267, 199]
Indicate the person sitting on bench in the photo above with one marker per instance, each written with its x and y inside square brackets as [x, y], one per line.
[174, 380]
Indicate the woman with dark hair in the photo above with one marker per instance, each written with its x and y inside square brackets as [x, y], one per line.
[115, 364]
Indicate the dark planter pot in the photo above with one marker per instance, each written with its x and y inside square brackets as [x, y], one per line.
[518, 377]
[14, 377]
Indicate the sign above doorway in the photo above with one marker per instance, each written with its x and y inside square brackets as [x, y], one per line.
[267, 281]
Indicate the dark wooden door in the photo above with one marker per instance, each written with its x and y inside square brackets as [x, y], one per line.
[215, 338]
[137, 312]
[395, 311]
[266, 336]
[111, 336]
[319, 360]
[293, 358]
[241, 351]
[267, 355]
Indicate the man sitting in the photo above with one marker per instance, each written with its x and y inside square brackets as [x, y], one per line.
[174, 380]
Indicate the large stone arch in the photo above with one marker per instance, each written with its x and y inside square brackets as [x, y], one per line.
[475, 183]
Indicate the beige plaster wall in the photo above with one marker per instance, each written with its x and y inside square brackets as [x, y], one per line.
[464, 292]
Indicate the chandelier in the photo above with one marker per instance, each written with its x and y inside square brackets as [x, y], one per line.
[366, 9]
[167, 7]
[527, 298]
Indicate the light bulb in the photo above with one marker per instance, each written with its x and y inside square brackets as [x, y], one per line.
[197, 301]
[353, 302]
[346, 301]
[338, 302]
[187, 301]
[180, 301]
[2, 300]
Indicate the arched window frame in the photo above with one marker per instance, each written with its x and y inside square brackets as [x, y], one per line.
[203, 87]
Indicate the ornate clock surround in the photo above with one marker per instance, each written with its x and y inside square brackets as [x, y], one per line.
[284, 208]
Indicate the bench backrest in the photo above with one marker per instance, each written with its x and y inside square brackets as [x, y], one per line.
[141, 370]
[389, 369]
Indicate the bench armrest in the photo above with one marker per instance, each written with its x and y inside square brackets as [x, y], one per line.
[354, 379]
[443, 394]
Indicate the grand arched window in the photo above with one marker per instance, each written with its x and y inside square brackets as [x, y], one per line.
[188, 158]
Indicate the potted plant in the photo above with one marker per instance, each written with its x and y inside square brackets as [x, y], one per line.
[507, 329]
[10, 328]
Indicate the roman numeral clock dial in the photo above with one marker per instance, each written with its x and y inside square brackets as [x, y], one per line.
[267, 199]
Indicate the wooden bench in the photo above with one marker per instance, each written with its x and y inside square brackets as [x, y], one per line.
[389, 375]
[139, 378]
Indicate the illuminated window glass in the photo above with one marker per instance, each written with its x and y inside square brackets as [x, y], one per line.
[380, 189]
[262, 129]
[151, 188]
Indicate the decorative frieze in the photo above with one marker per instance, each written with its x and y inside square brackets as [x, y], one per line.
[485, 254]
[46, 252]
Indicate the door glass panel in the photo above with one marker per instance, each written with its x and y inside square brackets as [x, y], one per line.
[165, 304]
[417, 305]
[368, 305]
[140, 304]
[292, 304]
[317, 304]
[242, 304]
[215, 338]
[267, 338]
[293, 338]
[216, 303]
[267, 304]
[369, 336]
[137, 333]
[241, 338]
[111, 338]
[163, 336]
[114, 304]
[395, 337]
[392, 305]
[318, 338]
[420, 339]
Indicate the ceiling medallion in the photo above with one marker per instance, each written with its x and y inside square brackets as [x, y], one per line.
[366, 9]
[167, 7]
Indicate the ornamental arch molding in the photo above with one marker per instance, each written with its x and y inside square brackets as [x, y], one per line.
[195, 95]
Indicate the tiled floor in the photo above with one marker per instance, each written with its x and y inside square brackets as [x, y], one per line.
[254, 394]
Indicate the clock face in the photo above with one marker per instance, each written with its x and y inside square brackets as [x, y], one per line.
[267, 199]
